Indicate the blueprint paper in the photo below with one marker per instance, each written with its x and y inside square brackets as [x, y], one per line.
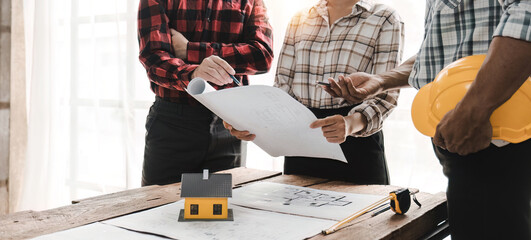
[301, 200]
[248, 224]
[281, 124]
[98, 231]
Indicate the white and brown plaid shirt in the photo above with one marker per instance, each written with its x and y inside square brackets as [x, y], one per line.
[369, 39]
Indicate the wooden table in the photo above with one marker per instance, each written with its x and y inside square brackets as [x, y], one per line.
[416, 223]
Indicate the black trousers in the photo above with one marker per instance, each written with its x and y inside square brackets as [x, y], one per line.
[182, 139]
[489, 192]
[365, 156]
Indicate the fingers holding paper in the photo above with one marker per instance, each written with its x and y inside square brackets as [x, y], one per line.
[337, 128]
[215, 70]
[242, 135]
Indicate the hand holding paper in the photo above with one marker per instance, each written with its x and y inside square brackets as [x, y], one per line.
[215, 70]
[337, 128]
[242, 135]
[281, 124]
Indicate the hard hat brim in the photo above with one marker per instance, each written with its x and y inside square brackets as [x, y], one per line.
[420, 111]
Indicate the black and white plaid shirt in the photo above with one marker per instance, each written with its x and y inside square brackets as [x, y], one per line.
[460, 28]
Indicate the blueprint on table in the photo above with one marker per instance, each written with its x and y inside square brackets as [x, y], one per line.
[301, 200]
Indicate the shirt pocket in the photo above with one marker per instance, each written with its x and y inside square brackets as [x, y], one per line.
[446, 28]
[451, 4]
[231, 17]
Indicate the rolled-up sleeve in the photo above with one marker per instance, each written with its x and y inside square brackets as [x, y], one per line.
[515, 21]
[162, 67]
[387, 55]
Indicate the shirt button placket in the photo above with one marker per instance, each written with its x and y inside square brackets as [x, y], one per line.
[208, 15]
[323, 60]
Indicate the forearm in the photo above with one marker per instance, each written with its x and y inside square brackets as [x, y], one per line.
[167, 72]
[505, 69]
[398, 77]
[374, 111]
[357, 122]
[162, 67]
[246, 58]
[155, 51]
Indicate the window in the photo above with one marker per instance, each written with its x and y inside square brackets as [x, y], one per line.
[217, 209]
[109, 98]
[194, 209]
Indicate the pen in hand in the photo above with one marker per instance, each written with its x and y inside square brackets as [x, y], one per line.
[235, 79]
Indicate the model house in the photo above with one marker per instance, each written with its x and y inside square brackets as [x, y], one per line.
[206, 196]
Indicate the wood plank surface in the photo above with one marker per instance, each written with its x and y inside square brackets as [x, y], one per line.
[31, 223]
[240, 176]
[243, 175]
[302, 181]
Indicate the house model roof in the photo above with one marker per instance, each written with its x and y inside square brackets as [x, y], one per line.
[206, 185]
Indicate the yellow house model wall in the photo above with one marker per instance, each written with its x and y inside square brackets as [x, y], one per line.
[206, 208]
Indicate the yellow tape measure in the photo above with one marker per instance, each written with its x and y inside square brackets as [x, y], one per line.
[400, 201]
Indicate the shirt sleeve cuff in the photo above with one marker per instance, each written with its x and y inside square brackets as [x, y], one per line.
[197, 51]
[373, 124]
[192, 52]
[512, 23]
[191, 70]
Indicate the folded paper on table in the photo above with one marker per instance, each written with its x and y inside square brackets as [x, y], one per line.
[98, 231]
[281, 124]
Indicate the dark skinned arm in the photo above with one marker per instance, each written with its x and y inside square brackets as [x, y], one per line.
[467, 129]
[359, 86]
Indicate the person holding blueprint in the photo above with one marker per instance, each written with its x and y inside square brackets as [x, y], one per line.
[183, 39]
[331, 39]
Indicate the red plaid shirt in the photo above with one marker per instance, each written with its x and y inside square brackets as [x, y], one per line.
[235, 30]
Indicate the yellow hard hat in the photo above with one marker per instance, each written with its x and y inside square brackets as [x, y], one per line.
[510, 122]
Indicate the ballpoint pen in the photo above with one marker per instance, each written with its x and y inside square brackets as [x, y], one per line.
[235, 80]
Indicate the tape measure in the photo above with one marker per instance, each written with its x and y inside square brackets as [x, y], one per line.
[400, 202]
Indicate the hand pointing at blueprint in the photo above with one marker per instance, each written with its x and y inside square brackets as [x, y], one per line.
[281, 124]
